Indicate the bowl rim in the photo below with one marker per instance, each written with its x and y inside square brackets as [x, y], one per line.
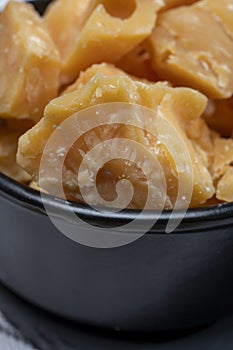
[193, 220]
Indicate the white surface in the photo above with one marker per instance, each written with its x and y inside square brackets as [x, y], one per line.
[10, 338]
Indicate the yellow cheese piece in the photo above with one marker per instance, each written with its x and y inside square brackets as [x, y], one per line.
[225, 186]
[106, 30]
[8, 149]
[174, 104]
[29, 63]
[223, 156]
[219, 116]
[191, 47]
[138, 63]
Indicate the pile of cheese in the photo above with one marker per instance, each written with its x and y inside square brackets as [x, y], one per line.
[171, 56]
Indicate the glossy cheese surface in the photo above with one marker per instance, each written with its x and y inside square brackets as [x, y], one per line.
[181, 107]
[191, 46]
[29, 63]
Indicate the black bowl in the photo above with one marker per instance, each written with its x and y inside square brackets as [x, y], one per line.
[160, 282]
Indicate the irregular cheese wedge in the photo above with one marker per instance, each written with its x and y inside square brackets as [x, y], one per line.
[225, 187]
[29, 63]
[105, 31]
[99, 90]
[219, 116]
[138, 63]
[179, 106]
[191, 47]
[223, 156]
[8, 149]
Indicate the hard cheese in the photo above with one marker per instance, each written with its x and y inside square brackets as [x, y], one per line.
[191, 46]
[181, 107]
[29, 63]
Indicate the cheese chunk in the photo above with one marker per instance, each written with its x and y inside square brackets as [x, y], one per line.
[29, 63]
[181, 107]
[225, 186]
[98, 31]
[191, 47]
